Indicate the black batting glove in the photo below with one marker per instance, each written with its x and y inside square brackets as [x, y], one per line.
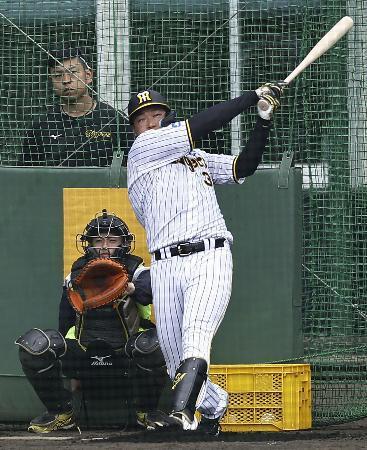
[273, 89]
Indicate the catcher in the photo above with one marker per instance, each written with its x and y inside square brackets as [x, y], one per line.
[103, 325]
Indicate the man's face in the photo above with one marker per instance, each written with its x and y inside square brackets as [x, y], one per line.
[70, 79]
[106, 245]
[148, 119]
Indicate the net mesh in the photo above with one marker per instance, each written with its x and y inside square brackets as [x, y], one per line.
[202, 52]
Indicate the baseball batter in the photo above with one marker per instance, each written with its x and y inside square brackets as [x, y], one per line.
[171, 188]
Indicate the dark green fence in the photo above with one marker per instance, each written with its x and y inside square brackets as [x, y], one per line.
[201, 52]
[265, 221]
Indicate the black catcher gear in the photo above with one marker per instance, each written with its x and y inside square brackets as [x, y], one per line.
[143, 99]
[110, 225]
[37, 342]
[145, 350]
[39, 350]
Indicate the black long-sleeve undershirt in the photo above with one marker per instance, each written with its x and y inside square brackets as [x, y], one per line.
[250, 157]
[221, 114]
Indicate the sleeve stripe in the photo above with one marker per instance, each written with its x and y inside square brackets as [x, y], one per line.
[234, 170]
[189, 133]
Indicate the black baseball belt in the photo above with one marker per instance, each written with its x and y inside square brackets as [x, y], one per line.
[187, 248]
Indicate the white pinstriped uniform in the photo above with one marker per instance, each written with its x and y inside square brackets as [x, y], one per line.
[171, 190]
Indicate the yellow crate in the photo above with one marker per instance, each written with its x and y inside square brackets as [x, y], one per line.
[265, 397]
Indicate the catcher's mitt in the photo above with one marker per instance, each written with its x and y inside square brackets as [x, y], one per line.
[101, 281]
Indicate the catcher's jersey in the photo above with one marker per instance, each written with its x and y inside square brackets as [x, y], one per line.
[171, 187]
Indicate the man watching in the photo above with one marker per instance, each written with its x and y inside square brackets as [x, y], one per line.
[80, 130]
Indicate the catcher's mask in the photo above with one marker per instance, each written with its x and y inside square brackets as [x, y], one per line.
[102, 226]
[143, 99]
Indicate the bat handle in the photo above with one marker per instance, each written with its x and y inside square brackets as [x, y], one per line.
[263, 104]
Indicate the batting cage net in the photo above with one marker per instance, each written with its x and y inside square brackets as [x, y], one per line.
[198, 53]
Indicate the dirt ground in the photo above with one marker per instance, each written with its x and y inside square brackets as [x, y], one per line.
[346, 436]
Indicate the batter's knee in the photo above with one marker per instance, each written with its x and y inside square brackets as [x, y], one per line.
[197, 344]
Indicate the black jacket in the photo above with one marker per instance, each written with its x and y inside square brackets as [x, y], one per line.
[58, 139]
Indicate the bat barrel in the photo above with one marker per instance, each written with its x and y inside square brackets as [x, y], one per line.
[325, 43]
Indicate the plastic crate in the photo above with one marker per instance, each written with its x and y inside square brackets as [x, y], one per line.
[265, 397]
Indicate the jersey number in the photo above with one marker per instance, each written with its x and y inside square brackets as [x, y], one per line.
[207, 178]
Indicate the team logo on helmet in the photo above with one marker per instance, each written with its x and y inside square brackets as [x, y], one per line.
[144, 97]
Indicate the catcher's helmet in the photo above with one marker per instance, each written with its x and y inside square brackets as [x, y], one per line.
[109, 225]
[144, 99]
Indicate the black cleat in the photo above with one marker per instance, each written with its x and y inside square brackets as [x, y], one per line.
[210, 427]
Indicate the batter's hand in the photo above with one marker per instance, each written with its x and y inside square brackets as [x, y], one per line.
[274, 89]
[273, 102]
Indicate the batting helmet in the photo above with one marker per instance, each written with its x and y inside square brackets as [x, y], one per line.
[144, 99]
[108, 224]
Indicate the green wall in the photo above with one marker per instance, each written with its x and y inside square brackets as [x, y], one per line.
[263, 322]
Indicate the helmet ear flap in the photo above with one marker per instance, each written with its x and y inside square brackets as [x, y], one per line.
[170, 118]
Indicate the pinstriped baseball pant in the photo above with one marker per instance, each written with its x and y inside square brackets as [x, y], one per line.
[190, 297]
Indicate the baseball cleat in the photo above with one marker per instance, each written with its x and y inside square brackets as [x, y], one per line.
[154, 420]
[209, 426]
[48, 422]
[182, 420]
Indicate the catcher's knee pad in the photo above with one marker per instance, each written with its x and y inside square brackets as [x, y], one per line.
[145, 350]
[188, 381]
[39, 350]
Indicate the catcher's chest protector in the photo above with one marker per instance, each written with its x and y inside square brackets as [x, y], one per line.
[114, 322]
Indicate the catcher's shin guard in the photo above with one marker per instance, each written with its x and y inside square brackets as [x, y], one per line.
[39, 350]
[188, 381]
[39, 354]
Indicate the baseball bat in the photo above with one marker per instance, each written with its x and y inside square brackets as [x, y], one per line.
[324, 44]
